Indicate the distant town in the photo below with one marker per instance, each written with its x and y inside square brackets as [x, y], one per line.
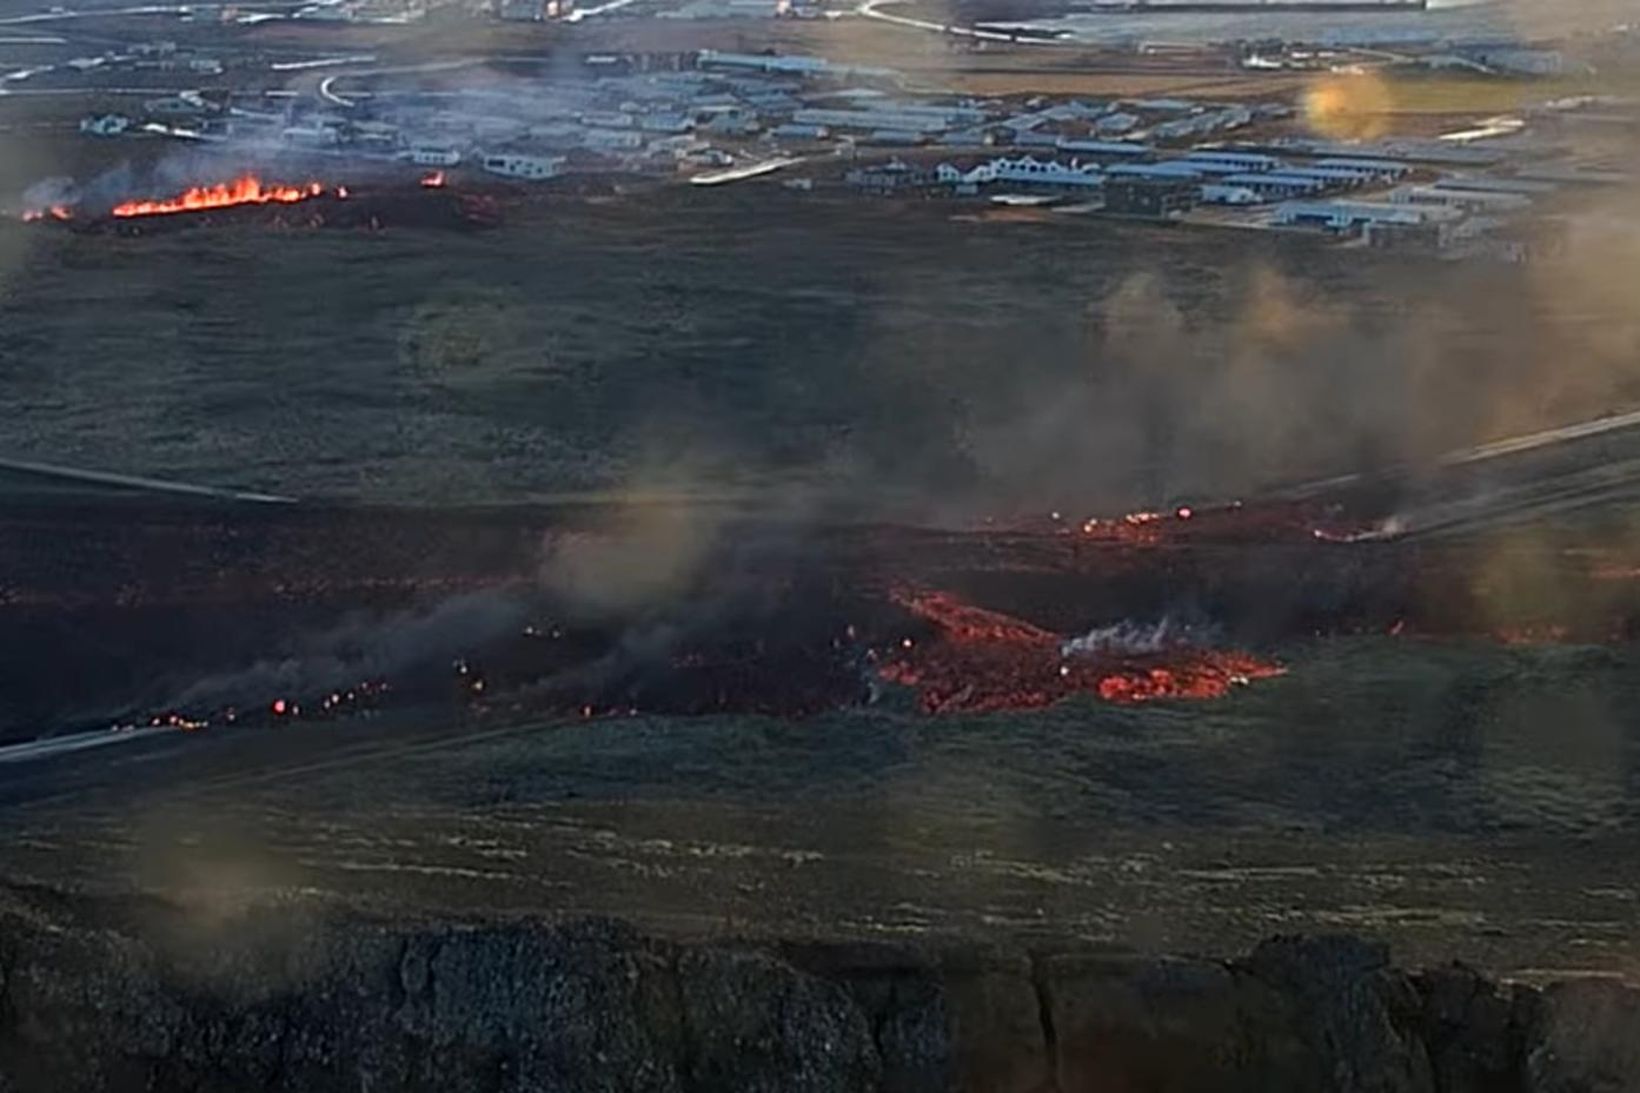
[1463, 187]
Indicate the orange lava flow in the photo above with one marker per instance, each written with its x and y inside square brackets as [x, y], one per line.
[55, 212]
[244, 190]
[434, 180]
[1264, 521]
[984, 661]
[1136, 528]
[963, 622]
[1187, 674]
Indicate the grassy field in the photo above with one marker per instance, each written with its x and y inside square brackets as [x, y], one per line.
[1456, 801]
[752, 339]
[1449, 95]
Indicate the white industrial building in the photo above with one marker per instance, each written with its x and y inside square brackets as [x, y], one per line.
[794, 131]
[665, 123]
[1385, 170]
[607, 119]
[868, 120]
[761, 62]
[529, 168]
[795, 65]
[1167, 172]
[1114, 125]
[1116, 149]
[1344, 216]
[520, 10]
[1248, 162]
[678, 146]
[1276, 186]
[1477, 200]
[946, 115]
[1211, 169]
[732, 124]
[1198, 125]
[1331, 177]
[432, 155]
[1214, 193]
[105, 125]
[1024, 169]
[311, 136]
[612, 140]
[1032, 139]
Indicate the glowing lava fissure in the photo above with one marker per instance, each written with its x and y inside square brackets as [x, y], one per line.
[1269, 521]
[245, 190]
[983, 661]
[964, 623]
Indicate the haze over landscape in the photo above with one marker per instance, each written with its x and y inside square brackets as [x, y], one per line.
[708, 545]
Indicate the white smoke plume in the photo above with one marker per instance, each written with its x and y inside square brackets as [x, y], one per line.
[1128, 638]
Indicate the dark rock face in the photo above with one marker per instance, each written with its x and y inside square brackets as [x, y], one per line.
[1133, 1023]
[1000, 1037]
[755, 1023]
[1473, 1029]
[93, 1000]
[1585, 1039]
[1355, 1013]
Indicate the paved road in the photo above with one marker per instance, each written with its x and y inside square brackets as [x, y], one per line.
[873, 9]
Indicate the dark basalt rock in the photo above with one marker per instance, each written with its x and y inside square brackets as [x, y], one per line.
[1172, 1024]
[1473, 1029]
[1585, 1038]
[1356, 1014]
[98, 997]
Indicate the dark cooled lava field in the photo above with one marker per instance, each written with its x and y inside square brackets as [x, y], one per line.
[1180, 731]
[742, 569]
[612, 634]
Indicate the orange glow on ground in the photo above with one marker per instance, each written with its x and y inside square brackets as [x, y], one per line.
[245, 190]
[984, 661]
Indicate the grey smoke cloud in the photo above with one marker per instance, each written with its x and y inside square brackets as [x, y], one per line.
[364, 648]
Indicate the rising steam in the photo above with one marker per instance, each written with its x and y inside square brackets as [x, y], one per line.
[1127, 638]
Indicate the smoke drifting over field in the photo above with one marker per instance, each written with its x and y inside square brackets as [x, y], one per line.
[945, 369]
[1283, 377]
[363, 650]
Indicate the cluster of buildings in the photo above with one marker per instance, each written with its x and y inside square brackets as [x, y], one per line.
[690, 111]
[660, 112]
[1214, 176]
[642, 113]
[141, 60]
[721, 114]
[1390, 200]
[1116, 127]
